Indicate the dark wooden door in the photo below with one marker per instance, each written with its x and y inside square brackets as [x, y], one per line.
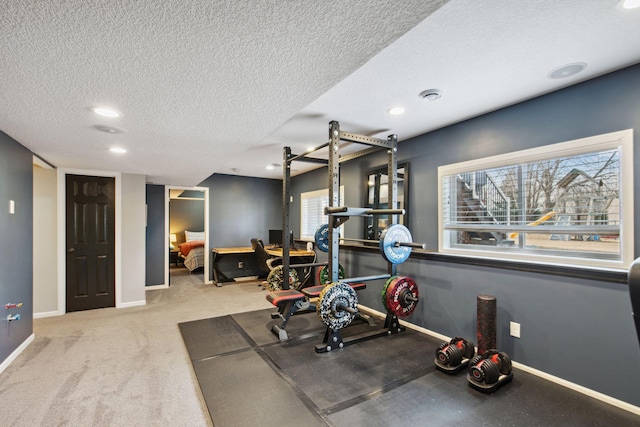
[90, 218]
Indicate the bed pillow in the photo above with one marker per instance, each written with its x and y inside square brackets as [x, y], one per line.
[193, 235]
[186, 247]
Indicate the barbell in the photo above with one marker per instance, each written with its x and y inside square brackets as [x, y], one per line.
[395, 242]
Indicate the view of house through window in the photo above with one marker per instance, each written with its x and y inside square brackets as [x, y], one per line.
[563, 200]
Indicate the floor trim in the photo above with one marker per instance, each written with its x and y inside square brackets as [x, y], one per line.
[4, 365]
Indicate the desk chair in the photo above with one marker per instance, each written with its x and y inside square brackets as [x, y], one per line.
[265, 263]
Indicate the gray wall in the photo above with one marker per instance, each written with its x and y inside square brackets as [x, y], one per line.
[16, 262]
[242, 208]
[45, 242]
[577, 329]
[155, 243]
[132, 240]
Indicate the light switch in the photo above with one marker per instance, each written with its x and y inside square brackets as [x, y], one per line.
[12, 207]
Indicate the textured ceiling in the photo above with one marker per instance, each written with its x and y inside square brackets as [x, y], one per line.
[221, 86]
[198, 82]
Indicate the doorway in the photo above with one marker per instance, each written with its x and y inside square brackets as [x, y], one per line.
[187, 210]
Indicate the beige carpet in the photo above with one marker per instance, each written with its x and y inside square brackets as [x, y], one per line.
[119, 367]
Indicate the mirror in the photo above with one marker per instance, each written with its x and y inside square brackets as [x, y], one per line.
[376, 193]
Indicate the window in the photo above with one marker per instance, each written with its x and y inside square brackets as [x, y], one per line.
[312, 215]
[567, 203]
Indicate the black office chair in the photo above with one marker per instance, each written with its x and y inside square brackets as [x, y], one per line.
[265, 263]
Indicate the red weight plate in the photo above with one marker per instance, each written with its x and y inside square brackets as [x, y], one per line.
[397, 291]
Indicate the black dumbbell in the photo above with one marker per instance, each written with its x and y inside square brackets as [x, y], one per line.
[488, 367]
[452, 354]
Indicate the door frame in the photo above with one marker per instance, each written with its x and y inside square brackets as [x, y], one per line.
[207, 249]
[62, 267]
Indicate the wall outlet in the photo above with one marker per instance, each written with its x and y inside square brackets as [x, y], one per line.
[240, 264]
[514, 329]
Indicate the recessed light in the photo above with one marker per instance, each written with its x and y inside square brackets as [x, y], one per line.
[310, 149]
[430, 94]
[270, 167]
[109, 129]
[395, 111]
[106, 112]
[567, 70]
[117, 150]
[630, 4]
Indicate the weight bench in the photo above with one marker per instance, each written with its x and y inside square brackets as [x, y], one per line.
[291, 301]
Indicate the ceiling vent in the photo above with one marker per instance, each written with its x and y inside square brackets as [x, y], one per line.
[431, 94]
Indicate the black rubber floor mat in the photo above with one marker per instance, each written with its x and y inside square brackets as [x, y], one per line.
[242, 389]
[257, 325]
[212, 337]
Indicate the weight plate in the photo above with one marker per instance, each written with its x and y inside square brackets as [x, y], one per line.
[401, 295]
[322, 238]
[274, 279]
[323, 274]
[384, 292]
[396, 233]
[331, 298]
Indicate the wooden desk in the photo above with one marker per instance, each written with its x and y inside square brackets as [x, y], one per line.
[229, 263]
[292, 252]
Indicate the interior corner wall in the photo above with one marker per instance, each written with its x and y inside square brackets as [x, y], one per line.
[155, 240]
[16, 262]
[132, 240]
[45, 242]
[567, 324]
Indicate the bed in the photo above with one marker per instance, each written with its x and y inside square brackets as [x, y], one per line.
[192, 250]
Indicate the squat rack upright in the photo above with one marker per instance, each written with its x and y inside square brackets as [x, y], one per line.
[338, 214]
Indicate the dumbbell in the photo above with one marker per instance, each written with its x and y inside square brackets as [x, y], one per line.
[453, 356]
[487, 368]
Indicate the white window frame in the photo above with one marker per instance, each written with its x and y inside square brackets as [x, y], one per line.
[324, 219]
[622, 140]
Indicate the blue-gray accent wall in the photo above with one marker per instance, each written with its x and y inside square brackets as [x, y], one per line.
[577, 329]
[156, 245]
[16, 262]
[240, 208]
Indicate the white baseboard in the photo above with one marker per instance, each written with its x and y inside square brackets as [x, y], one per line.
[132, 304]
[154, 287]
[580, 389]
[568, 384]
[5, 364]
[47, 314]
